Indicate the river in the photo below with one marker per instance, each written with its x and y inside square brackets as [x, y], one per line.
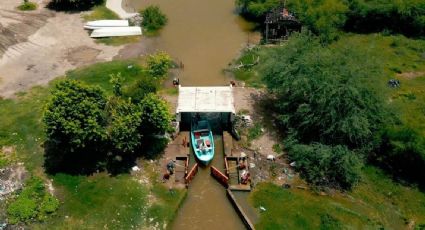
[205, 36]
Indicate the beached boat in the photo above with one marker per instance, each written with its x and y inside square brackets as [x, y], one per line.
[202, 141]
[116, 31]
[91, 25]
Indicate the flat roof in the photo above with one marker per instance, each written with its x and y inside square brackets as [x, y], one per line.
[205, 99]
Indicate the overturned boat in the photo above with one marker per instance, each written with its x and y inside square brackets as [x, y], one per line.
[116, 31]
[202, 141]
[91, 25]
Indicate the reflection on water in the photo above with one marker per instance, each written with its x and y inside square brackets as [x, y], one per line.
[205, 35]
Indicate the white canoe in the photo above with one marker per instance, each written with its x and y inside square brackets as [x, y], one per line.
[91, 25]
[116, 31]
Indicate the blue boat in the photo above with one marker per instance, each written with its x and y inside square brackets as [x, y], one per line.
[202, 141]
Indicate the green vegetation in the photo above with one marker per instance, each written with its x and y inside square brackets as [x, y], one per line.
[85, 201]
[377, 202]
[323, 165]
[254, 132]
[327, 18]
[158, 64]
[100, 13]
[82, 124]
[153, 19]
[33, 202]
[27, 5]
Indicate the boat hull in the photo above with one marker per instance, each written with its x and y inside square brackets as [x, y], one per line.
[203, 145]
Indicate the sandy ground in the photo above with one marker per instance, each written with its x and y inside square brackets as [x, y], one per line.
[36, 47]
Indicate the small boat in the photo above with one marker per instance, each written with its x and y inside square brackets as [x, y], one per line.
[202, 141]
[91, 25]
[116, 31]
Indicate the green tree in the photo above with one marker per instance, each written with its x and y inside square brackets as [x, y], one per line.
[156, 117]
[142, 87]
[153, 18]
[257, 8]
[322, 165]
[125, 120]
[75, 115]
[158, 64]
[321, 94]
[116, 80]
[323, 17]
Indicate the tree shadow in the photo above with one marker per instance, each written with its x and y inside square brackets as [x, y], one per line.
[58, 158]
[73, 6]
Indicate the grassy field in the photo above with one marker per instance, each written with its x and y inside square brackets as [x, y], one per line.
[376, 203]
[87, 202]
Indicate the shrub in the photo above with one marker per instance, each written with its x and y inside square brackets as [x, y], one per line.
[158, 64]
[323, 17]
[153, 18]
[32, 203]
[27, 6]
[321, 95]
[156, 117]
[144, 86]
[123, 129]
[324, 165]
[75, 114]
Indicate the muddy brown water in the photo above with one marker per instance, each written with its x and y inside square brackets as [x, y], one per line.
[206, 205]
[204, 35]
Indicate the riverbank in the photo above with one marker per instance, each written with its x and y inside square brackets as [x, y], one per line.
[41, 45]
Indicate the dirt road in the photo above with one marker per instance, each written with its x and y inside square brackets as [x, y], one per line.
[36, 47]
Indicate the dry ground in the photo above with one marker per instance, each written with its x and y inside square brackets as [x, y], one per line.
[37, 46]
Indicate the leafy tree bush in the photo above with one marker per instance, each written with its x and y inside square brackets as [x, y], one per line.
[27, 5]
[75, 115]
[400, 16]
[323, 17]
[321, 95]
[153, 18]
[257, 8]
[32, 203]
[142, 87]
[116, 80]
[75, 122]
[158, 64]
[324, 165]
[73, 4]
[156, 117]
[125, 120]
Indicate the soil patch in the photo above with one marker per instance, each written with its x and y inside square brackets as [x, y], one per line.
[82, 55]
[411, 75]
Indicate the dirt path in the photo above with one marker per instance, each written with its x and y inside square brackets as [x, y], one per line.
[36, 47]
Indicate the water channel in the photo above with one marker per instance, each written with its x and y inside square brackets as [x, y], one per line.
[204, 35]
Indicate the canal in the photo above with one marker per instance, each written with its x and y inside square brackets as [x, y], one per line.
[205, 36]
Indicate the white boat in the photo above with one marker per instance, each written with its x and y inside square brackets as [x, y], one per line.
[91, 25]
[116, 31]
